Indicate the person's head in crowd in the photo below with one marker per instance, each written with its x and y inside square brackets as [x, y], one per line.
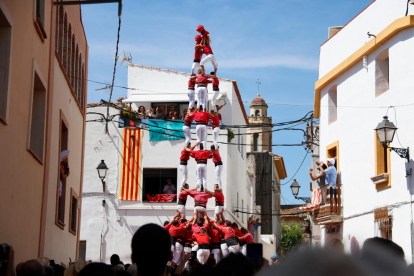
[228, 223]
[216, 187]
[59, 270]
[203, 230]
[127, 266]
[200, 221]
[219, 222]
[184, 220]
[151, 250]
[383, 255]
[234, 225]
[166, 222]
[32, 268]
[115, 259]
[49, 271]
[318, 262]
[235, 264]
[186, 186]
[18, 267]
[97, 269]
[201, 147]
[274, 259]
[257, 220]
[141, 110]
[244, 230]
[330, 162]
[175, 222]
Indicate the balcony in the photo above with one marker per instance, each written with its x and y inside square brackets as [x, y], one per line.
[321, 215]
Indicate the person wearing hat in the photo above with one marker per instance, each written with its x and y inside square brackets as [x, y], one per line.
[330, 179]
[274, 259]
[205, 34]
[198, 53]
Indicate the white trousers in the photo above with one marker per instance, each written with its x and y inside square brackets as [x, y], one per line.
[216, 132]
[201, 96]
[218, 170]
[187, 134]
[244, 249]
[217, 212]
[201, 131]
[181, 209]
[191, 98]
[194, 248]
[187, 250]
[200, 211]
[234, 249]
[184, 171]
[213, 100]
[224, 250]
[202, 255]
[202, 175]
[195, 65]
[216, 253]
[177, 253]
[209, 58]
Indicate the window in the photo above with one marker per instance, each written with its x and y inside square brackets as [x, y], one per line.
[256, 142]
[383, 223]
[40, 10]
[242, 210]
[37, 118]
[332, 104]
[382, 165]
[237, 204]
[154, 182]
[5, 54]
[382, 73]
[62, 173]
[332, 151]
[257, 113]
[178, 107]
[73, 212]
[82, 250]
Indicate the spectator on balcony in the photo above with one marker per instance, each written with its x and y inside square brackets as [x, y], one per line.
[330, 178]
[320, 180]
[172, 114]
[170, 188]
[141, 112]
[151, 113]
[161, 114]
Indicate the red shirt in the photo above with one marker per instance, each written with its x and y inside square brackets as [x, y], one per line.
[182, 197]
[191, 84]
[198, 53]
[185, 155]
[201, 155]
[215, 235]
[204, 33]
[238, 232]
[170, 115]
[248, 238]
[196, 228]
[216, 156]
[202, 117]
[189, 234]
[219, 199]
[202, 238]
[215, 121]
[228, 232]
[202, 79]
[200, 199]
[174, 230]
[207, 50]
[216, 84]
[167, 226]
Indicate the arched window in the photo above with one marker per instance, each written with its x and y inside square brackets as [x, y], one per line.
[59, 37]
[69, 64]
[80, 79]
[73, 63]
[76, 75]
[57, 29]
[257, 113]
[65, 43]
[82, 85]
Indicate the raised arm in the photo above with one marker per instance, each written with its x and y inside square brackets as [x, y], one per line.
[193, 147]
[211, 193]
[220, 107]
[312, 175]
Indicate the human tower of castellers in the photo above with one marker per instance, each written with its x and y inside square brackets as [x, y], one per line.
[202, 235]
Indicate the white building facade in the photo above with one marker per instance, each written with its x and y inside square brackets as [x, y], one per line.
[359, 77]
[108, 229]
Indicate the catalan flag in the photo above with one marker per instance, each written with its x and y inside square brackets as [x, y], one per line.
[131, 164]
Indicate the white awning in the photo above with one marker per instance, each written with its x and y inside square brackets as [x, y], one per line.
[169, 98]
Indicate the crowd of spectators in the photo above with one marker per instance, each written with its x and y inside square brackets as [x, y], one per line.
[151, 252]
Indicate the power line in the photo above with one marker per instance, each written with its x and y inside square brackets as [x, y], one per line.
[307, 152]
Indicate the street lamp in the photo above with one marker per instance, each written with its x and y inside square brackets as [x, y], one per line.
[102, 169]
[385, 133]
[295, 191]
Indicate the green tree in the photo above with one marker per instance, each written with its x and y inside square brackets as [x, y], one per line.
[292, 236]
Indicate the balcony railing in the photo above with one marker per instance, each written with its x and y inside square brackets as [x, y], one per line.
[322, 214]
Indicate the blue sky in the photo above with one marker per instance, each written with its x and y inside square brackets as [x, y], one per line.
[275, 41]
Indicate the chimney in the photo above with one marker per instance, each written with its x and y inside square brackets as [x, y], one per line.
[334, 30]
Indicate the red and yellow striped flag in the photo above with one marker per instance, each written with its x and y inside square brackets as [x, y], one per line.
[131, 164]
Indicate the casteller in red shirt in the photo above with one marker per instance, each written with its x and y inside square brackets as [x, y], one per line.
[188, 120]
[216, 84]
[207, 50]
[203, 240]
[201, 79]
[201, 156]
[216, 157]
[248, 238]
[200, 198]
[191, 84]
[202, 117]
[219, 198]
[196, 229]
[182, 198]
[215, 121]
[185, 156]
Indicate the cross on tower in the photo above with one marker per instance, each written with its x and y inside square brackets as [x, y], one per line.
[258, 89]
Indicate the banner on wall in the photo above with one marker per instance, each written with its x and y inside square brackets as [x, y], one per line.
[166, 130]
[131, 164]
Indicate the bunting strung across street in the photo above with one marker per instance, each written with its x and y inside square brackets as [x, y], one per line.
[131, 164]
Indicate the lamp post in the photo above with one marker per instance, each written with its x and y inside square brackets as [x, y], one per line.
[385, 133]
[102, 169]
[295, 191]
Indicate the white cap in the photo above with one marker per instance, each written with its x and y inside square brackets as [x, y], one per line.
[332, 161]
[63, 154]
